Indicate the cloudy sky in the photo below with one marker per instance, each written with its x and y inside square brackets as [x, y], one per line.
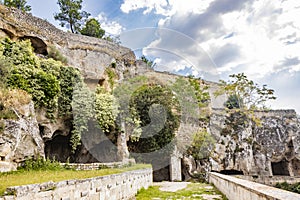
[207, 38]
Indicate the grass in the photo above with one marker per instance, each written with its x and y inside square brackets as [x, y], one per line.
[22, 177]
[192, 191]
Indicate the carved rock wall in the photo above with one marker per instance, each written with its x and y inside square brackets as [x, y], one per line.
[269, 148]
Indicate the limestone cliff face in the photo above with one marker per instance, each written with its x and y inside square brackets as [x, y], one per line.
[271, 148]
[90, 55]
[20, 139]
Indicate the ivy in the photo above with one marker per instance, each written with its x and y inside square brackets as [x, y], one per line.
[111, 77]
[82, 109]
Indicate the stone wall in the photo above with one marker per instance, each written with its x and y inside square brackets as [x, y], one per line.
[239, 189]
[116, 186]
[95, 166]
[267, 180]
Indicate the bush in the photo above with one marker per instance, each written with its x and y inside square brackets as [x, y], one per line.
[39, 163]
[56, 55]
[289, 187]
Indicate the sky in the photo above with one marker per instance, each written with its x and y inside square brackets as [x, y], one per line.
[210, 39]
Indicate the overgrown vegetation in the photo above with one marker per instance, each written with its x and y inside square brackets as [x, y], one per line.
[202, 145]
[289, 187]
[48, 82]
[106, 110]
[158, 110]
[56, 55]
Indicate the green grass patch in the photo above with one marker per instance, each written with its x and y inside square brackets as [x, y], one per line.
[24, 177]
[192, 191]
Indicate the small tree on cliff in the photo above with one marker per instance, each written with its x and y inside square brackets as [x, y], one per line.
[71, 14]
[20, 4]
[244, 94]
[92, 28]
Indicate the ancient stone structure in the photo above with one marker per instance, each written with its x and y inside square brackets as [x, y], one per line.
[238, 189]
[244, 148]
[116, 186]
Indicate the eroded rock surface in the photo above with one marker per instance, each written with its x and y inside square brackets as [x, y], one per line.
[20, 139]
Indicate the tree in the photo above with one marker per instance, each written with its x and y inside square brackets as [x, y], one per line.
[150, 63]
[244, 94]
[71, 14]
[20, 4]
[92, 28]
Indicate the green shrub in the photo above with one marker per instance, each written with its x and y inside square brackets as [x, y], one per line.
[40, 163]
[289, 187]
[56, 55]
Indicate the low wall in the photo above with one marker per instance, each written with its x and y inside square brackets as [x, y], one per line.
[116, 186]
[95, 166]
[270, 180]
[238, 189]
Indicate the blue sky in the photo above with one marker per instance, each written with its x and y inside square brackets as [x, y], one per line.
[207, 38]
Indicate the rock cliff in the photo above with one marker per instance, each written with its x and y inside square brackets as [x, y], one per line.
[20, 139]
[268, 147]
[272, 148]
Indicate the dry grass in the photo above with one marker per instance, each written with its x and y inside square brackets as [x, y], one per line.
[12, 100]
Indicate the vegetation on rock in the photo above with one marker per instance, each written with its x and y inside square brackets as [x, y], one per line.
[20, 4]
[244, 93]
[158, 111]
[92, 28]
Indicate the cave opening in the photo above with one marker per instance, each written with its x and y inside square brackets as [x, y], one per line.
[162, 174]
[38, 45]
[280, 168]
[58, 147]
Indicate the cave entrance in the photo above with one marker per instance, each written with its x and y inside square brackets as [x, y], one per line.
[232, 172]
[38, 45]
[58, 147]
[296, 167]
[162, 174]
[280, 168]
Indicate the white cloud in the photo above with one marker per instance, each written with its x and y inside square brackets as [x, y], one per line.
[257, 37]
[159, 6]
[110, 27]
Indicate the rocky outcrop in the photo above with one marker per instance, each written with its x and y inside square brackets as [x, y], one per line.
[90, 55]
[20, 139]
[268, 147]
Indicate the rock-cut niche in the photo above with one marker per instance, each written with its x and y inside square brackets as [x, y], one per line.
[280, 168]
[58, 147]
